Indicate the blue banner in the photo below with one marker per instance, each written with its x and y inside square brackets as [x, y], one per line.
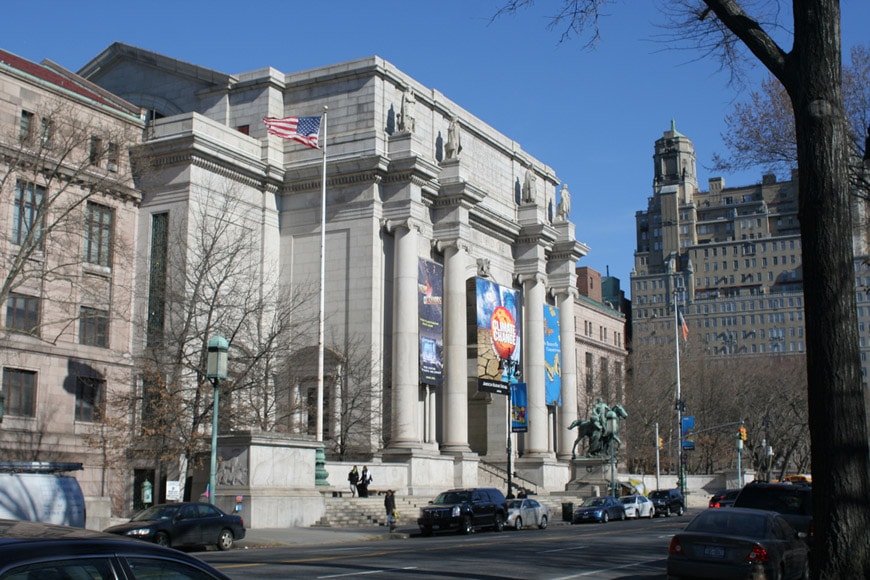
[430, 295]
[688, 437]
[552, 356]
[519, 408]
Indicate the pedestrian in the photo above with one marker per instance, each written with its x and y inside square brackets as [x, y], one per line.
[353, 479]
[365, 478]
[390, 507]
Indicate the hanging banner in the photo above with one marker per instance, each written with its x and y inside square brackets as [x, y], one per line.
[552, 356]
[498, 337]
[519, 408]
[688, 437]
[430, 278]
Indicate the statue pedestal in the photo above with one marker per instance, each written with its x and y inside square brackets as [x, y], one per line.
[590, 476]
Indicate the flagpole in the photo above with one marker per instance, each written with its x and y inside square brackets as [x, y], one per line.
[320, 346]
[679, 405]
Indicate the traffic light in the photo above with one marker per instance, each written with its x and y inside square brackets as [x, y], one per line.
[742, 433]
[661, 443]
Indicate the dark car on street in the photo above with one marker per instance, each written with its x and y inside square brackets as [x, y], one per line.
[738, 543]
[793, 502]
[724, 498]
[184, 524]
[31, 550]
[464, 510]
[599, 509]
[668, 501]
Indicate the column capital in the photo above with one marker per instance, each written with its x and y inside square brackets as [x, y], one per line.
[534, 277]
[565, 292]
[390, 225]
[445, 244]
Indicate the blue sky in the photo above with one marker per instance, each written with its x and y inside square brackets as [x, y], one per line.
[592, 115]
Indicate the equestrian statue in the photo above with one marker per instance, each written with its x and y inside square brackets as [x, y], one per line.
[602, 429]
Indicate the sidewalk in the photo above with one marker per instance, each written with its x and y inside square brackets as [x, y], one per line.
[318, 535]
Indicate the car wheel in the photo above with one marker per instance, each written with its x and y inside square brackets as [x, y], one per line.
[543, 524]
[604, 518]
[161, 539]
[667, 512]
[652, 513]
[518, 524]
[622, 516]
[466, 527]
[426, 530]
[225, 540]
[680, 510]
[499, 523]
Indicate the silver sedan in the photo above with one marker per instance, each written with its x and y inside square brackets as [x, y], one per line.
[525, 513]
[638, 506]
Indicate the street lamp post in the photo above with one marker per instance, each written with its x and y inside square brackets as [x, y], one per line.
[216, 369]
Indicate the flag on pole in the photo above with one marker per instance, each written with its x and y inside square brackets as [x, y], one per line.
[683, 326]
[305, 130]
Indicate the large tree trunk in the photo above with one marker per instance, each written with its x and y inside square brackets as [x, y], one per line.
[837, 412]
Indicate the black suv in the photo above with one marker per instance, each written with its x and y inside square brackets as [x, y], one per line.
[668, 501]
[794, 502]
[464, 510]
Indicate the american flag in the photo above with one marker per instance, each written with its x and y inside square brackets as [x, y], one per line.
[302, 129]
[683, 326]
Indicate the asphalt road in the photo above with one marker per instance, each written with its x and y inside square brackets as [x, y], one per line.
[629, 549]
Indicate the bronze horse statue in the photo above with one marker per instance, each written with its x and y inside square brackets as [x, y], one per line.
[601, 438]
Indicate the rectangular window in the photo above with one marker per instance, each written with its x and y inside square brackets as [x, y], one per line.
[90, 393]
[27, 213]
[98, 235]
[19, 390]
[96, 153]
[94, 327]
[113, 157]
[25, 126]
[157, 278]
[22, 313]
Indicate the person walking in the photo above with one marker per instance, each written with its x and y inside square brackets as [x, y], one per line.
[390, 507]
[353, 479]
[365, 478]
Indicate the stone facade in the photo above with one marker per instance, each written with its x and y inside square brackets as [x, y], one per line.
[67, 334]
[731, 256]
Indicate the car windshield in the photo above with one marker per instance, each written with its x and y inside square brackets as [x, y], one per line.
[593, 502]
[658, 495]
[733, 523]
[452, 497]
[515, 504]
[629, 499]
[159, 512]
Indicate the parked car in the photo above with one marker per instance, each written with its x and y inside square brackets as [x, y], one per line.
[38, 550]
[724, 498]
[668, 501]
[526, 512]
[184, 524]
[637, 506]
[464, 510]
[793, 502]
[599, 509]
[734, 543]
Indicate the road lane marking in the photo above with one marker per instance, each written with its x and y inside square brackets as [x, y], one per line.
[367, 572]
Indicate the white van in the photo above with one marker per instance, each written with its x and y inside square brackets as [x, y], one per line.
[40, 492]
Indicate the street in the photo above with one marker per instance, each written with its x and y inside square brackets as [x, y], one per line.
[619, 549]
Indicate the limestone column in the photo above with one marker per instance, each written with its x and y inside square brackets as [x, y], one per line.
[406, 377]
[568, 410]
[534, 292]
[455, 397]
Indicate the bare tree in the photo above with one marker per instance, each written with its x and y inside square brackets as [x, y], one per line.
[217, 283]
[59, 160]
[811, 74]
[761, 132]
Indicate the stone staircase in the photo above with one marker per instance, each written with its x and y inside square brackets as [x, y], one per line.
[360, 512]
